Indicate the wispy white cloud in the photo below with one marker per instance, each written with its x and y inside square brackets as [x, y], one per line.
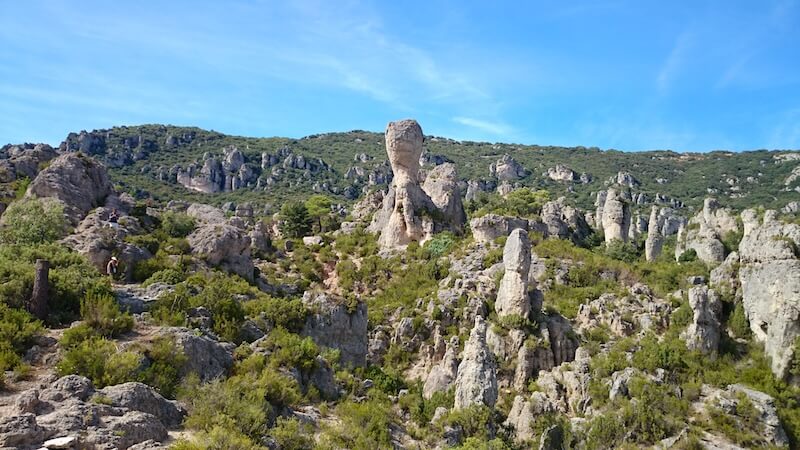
[497, 128]
[675, 61]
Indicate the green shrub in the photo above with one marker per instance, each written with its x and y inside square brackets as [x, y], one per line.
[17, 328]
[74, 336]
[738, 323]
[33, 221]
[688, 256]
[385, 379]
[440, 245]
[166, 362]
[622, 251]
[168, 276]
[282, 312]
[364, 425]
[291, 434]
[295, 220]
[101, 312]
[291, 350]
[474, 421]
[177, 225]
[98, 360]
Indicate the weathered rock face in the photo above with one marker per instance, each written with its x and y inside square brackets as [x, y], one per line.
[625, 179]
[512, 296]
[408, 213]
[441, 185]
[206, 357]
[727, 401]
[97, 239]
[563, 221]
[491, 226]
[655, 240]
[65, 409]
[205, 214]
[703, 332]
[224, 246]
[704, 233]
[616, 217]
[141, 397]
[80, 182]
[769, 274]
[333, 325]
[20, 161]
[442, 375]
[476, 382]
[507, 169]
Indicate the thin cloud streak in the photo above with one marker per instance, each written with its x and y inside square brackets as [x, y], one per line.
[497, 128]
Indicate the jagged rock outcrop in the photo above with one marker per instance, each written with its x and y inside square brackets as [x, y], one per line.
[507, 169]
[78, 181]
[705, 231]
[97, 239]
[766, 414]
[476, 187]
[408, 213]
[23, 161]
[655, 240]
[512, 295]
[703, 333]
[564, 174]
[205, 356]
[143, 398]
[441, 184]
[223, 245]
[332, 324]
[492, 226]
[132, 413]
[616, 217]
[443, 374]
[769, 274]
[564, 221]
[625, 179]
[476, 381]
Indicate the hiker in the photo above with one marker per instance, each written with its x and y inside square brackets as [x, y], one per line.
[111, 268]
[113, 217]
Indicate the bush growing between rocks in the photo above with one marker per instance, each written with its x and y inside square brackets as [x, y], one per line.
[364, 425]
[177, 225]
[101, 312]
[33, 221]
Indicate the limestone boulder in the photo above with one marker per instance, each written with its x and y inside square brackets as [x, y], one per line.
[476, 381]
[79, 181]
[512, 296]
[225, 246]
[333, 324]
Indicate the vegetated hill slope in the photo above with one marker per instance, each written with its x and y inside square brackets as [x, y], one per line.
[138, 154]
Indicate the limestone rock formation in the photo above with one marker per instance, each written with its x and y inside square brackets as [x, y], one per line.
[441, 184]
[225, 246]
[703, 333]
[564, 221]
[565, 174]
[443, 374]
[205, 356]
[23, 161]
[80, 182]
[512, 296]
[765, 412]
[705, 231]
[507, 169]
[476, 381]
[492, 226]
[408, 213]
[334, 325]
[769, 274]
[616, 217]
[143, 398]
[655, 240]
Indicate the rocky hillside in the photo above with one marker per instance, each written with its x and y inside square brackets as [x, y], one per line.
[168, 162]
[172, 287]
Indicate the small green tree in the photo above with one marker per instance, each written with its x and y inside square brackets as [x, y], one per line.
[295, 220]
[33, 221]
[319, 208]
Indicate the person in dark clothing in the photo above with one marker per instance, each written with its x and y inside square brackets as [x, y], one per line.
[114, 216]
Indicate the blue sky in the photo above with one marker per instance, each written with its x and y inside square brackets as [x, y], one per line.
[630, 75]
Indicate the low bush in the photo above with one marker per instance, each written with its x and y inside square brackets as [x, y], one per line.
[101, 312]
[177, 225]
